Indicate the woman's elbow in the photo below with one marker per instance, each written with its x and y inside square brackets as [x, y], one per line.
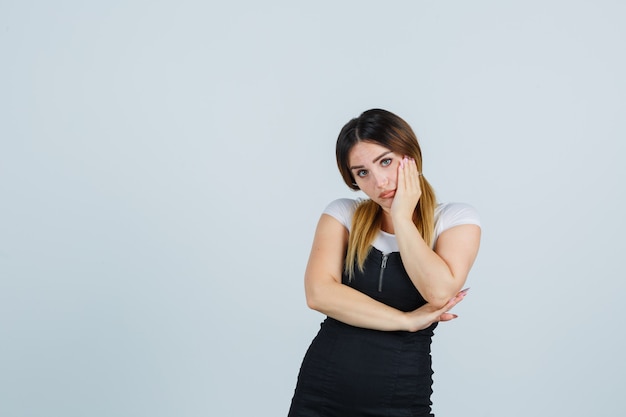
[439, 299]
[312, 302]
[319, 294]
[439, 302]
[313, 298]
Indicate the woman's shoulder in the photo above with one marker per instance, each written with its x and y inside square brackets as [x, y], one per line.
[452, 214]
[342, 209]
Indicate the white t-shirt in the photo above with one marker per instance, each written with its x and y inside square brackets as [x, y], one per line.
[447, 215]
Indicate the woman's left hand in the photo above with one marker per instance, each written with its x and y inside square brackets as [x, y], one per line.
[408, 190]
[428, 314]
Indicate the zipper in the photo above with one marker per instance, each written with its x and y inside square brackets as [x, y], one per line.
[383, 265]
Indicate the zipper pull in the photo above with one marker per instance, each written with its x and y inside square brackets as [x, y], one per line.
[383, 265]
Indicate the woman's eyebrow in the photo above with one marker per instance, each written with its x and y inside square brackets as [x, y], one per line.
[373, 161]
[380, 156]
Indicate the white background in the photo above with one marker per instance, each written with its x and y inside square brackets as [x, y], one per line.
[163, 165]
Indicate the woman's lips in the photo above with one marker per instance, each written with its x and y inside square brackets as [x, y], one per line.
[387, 194]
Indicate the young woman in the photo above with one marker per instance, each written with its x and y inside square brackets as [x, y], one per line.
[384, 271]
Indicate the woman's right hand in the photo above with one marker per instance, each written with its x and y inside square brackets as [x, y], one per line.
[426, 315]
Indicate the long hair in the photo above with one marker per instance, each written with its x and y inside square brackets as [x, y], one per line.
[388, 130]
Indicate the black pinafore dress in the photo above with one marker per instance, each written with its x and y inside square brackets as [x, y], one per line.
[355, 372]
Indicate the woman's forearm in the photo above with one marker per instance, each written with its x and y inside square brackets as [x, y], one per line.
[429, 272]
[352, 307]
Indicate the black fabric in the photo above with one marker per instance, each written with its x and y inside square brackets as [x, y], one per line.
[354, 372]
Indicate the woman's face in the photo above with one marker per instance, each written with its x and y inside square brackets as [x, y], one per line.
[375, 170]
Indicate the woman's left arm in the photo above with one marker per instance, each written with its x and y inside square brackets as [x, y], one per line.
[440, 273]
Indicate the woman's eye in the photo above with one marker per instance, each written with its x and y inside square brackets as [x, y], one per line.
[361, 173]
[386, 162]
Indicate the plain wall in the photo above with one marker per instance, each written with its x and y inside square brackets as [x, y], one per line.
[163, 165]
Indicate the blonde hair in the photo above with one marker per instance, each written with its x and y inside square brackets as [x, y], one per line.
[388, 130]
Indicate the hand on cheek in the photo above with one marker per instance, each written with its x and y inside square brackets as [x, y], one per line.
[408, 190]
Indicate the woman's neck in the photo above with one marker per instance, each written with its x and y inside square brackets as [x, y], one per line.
[386, 225]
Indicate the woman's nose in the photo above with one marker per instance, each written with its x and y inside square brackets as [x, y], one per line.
[381, 180]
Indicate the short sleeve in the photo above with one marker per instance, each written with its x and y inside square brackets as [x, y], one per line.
[448, 215]
[342, 209]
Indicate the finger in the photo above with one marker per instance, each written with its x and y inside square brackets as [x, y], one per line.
[412, 175]
[447, 317]
[408, 173]
[406, 168]
[464, 291]
[453, 301]
[415, 175]
[401, 174]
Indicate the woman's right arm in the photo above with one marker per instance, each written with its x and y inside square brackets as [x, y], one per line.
[326, 294]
